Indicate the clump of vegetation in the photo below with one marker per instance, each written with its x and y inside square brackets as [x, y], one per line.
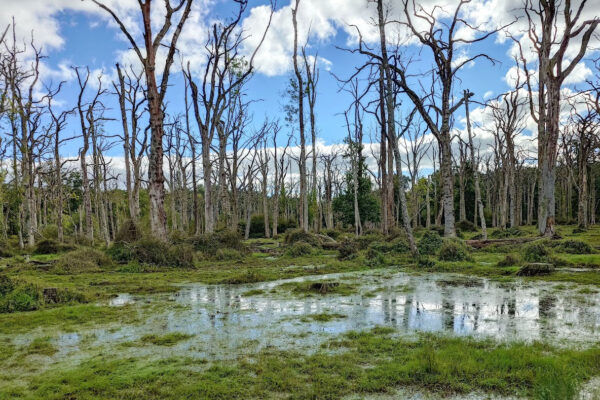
[299, 249]
[425, 262]
[82, 260]
[150, 251]
[6, 285]
[506, 233]
[332, 233]
[430, 243]
[536, 252]
[323, 317]
[466, 226]
[362, 242]
[509, 260]
[398, 245]
[298, 235]
[41, 345]
[453, 250]
[169, 339]
[374, 257]
[575, 247]
[347, 250]
[23, 297]
[534, 269]
[51, 246]
[128, 232]
[209, 243]
[228, 255]
[320, 287]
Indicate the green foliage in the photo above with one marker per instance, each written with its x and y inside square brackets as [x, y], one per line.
[299, 249]
[466, 226]
[430, 243]
[226, 254]
[298, 235]
[347, 250]
[575, 247]
[509, 260]
[332, 233]
[363, 241]
[51, 246]
[398, 245]
[82, 260]
[169, 339]
[425, 262]
[374, 257]
[50, 231]
[6, 285]
[155, 252]
[128, 232]
[453, 250]
[536, 252]
[209, 243]
[24, 297]
[368, 203]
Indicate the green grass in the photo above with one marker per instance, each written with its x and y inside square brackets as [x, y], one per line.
[169, 339]
[319, 288]
[42, 346]
[323, 317]
[370, 362]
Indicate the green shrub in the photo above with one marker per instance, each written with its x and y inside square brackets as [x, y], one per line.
[430, 243]
[228, 255]
[398, 245]
[363, 241]
[575, 247]
[347, 249]
[298, 235]
[51, 246]
[332, 233]
[181, 255]
[466, 226]
[25, 297]
[536, 252]
[6, 285]
[120, 252]
[439, 229]
[374, 257]
[425, 262]
[209, 243]
[299, 249]
[50, 231]
[509, 260]
[82, 260]
[150, 251]
[128, 232]
[453, 250]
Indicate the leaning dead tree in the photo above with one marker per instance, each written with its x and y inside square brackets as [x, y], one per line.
[155, 92]
[553, 27]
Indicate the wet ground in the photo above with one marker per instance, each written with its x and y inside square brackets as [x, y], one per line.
[229, 321]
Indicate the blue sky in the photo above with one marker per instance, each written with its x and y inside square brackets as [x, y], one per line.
[89, 39]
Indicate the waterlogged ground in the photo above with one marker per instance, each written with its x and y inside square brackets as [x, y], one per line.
[226, 322]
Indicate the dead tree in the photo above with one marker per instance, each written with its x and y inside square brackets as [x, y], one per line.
[155, 93]
[301, 129]
[553, 26]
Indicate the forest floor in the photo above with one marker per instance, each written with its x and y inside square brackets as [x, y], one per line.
[272, 325]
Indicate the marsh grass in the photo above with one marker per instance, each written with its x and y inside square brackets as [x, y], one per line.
[359, 362]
